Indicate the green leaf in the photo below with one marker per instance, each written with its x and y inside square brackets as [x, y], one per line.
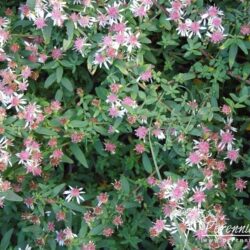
[77, 152]
[125, 184]
[146, 163]
[66, 159]
[47, 31]
[6, 239]
[101, 93]
[46, 131]
[232, 54]
[70, 32]
[227, 43]
[56, 190]
[121, 65]
[70, 29]
[73, 206]
[11, 196]
[242, 173]
[59, 74]
[67, 84]
[50, 80]
[242, 46]
[59, 95]
[97, 230]
[77, 124]
[31, 4]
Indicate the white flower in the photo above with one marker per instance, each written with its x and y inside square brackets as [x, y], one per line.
[74, 193]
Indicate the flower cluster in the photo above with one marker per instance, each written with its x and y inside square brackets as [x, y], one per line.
[190, 218]
[210, 22]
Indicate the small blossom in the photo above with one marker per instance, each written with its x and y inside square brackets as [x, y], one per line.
[141, 132]
[240, 184]
[74, 193]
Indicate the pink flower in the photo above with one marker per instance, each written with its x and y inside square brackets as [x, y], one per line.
[74, 193]
[60, 237]
[240, 184]
[112, 98]
[51, 226]
[56, 54]
[102, 198]
[79, 44]
[183, 185]
[201, 234]
[193, 159]
[77, 137]
[139, 11]
[26, 72]
[23, 156]
[117, 221]
[226, 109]
[151, 181]
[177, 193]
[114, 112]
[232, 155]
[220, 166]
[117, 185]
[29, 202]
[216, 36]
[114, 88]
[89, 246]
[139, 148]
[213, 11]
[202, 147]
[113, 12]
[60, 216]
[245, 29]
[40, 23]
[128, 101]
[57, 154]
[110, 147]
[107, 232]
[227, 139]
[199, 196]
[55, 105]
[159, 225]
[146, 75]
[141, 132]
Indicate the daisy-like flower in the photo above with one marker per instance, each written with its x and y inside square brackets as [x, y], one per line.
[57, 16]
[113, 13]
[199, 196]
[80, 45]
[101, 60]
[216, 36]
[60, 237]
[74, 193]
[194, 28]
[138, 10]
[132, 41]
[240, 184]
[182, 29]
[86, 21]
[4, 22]
[158, 133]
[17, 102]
[227, 140]
[232, 155]
[141, 132]
[194, 158]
